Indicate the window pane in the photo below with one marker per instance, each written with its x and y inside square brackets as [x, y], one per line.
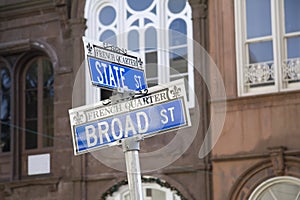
[139, 5]
[151, 64]
[133, 40]
[178, 61]
[258, 14]
[107, 15]
[285, 191]
[31, 104]
[260, 52]
[5, 109]
[152, 82]
[292, 15]
[151, 39]
[108, 36]
[177, 33]
[176, 6]
[48, 98]
[31, 92]
[293, 47]
[31, 134]
[31, 76]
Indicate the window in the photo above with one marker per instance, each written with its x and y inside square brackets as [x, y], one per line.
[5, 111]
[157, 30]
[284, 187]
[151, 191]
[37, 108]
[267, 45]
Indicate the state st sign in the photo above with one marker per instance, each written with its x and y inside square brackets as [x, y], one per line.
[112, 67]
[162, 110]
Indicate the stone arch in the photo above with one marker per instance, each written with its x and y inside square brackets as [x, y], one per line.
[268, 168]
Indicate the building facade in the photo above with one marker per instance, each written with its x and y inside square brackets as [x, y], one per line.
[253, 43]
[41, 56]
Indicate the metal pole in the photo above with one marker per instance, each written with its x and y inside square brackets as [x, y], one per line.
[131, 147]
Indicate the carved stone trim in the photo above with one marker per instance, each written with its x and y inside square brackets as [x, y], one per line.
[14, 46]
[8, 188]
[278, 164]
[199, 10]
[277, 159]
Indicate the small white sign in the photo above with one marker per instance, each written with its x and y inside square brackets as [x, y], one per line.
[39, 164]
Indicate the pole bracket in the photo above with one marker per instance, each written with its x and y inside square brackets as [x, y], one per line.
[132, 144]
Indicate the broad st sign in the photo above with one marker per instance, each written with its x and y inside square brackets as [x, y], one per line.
[112, 67]
[98, 125]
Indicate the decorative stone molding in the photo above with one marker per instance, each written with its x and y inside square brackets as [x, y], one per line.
[199, 9]
[277, 159]
[278, 163]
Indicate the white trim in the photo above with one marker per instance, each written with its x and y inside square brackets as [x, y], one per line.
[270, 182]
[160, 21]
[278, 38]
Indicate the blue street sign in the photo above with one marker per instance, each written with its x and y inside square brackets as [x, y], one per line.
[100, 125]
[113, 67]
[145, 121]
[113, 76]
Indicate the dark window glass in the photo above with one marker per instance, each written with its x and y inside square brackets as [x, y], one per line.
[48, 98]
[151, 64]
[5, 89]
[31, 103]
[39, 104]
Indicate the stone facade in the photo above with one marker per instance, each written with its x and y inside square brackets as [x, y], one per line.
[54, 28]
[260, 136]
[259, 140]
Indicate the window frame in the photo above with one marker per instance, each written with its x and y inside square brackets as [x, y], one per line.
[277, 37]
[272, 181]
[40, 149]
[92, 10]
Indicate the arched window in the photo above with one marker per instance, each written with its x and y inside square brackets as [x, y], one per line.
[37, 115]
[284, 187]
[5, 108]
[157, 30]
[151, 191]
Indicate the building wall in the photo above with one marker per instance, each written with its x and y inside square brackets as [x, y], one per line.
[260, 136]
[56, 28]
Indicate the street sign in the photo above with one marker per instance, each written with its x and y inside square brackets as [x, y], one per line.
[112, 67]
[163, 109]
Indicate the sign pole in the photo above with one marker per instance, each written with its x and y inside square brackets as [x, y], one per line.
[131, 149]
